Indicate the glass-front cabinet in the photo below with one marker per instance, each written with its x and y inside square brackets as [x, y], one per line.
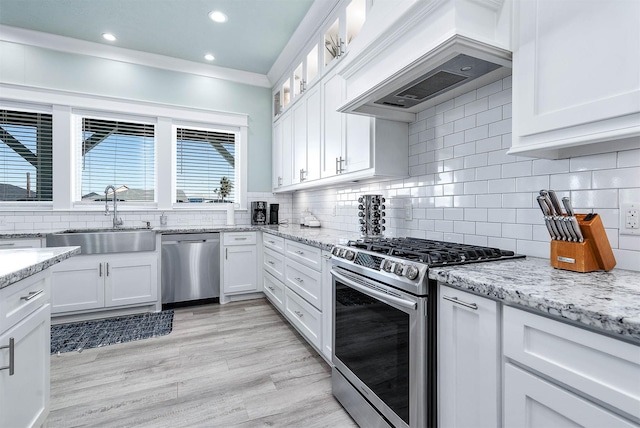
[333, 43]
[355, 17]
[298, 80]
[312, 66]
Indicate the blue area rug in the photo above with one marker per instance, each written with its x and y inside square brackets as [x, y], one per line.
[94, 334]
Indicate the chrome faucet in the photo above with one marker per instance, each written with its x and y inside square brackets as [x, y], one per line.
[116, 220]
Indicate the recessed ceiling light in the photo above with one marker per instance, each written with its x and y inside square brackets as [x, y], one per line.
[209, 57]
[217, 16]
[109, 36]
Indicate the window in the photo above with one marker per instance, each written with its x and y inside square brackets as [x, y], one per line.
[26, 164]
[117, 153]
[205, 166]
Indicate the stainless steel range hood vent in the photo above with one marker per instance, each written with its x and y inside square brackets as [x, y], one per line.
[455, 72]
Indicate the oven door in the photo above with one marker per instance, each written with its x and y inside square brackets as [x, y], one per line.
[379, 341]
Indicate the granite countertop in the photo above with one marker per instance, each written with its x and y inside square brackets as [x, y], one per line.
[318, 237]
[608, 301]
[21, 263]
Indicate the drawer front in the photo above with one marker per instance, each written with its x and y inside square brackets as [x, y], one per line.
[304, 254]
[602, 367]
[274, 290]
[12, 244]
[304, 316]
[304, 281]
[273, 242]
[22, 298]
[273, 263]
[239, 238]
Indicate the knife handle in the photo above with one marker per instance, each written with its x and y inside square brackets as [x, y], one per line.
[576, 228]
[567, 206]
[555, 202]
[556, 233]
[569, 226]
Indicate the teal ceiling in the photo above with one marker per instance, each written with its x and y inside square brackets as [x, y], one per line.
[251, 40]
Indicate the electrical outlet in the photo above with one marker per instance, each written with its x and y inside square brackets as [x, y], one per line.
[334, 212]
[630, 219]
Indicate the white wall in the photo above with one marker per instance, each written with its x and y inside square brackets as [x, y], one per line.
[465, 188]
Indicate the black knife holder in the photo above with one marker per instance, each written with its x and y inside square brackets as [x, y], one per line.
[593, 254]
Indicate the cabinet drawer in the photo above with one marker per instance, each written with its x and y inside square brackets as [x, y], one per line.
[12, 244]
[304, 281]
[305, 254]
[239, 238]
[22, 298]
[304, 316]
[273, 263]
[532, 402]
[273, 242]
[599, 366]
[274, 290]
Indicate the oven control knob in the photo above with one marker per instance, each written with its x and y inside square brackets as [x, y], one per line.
[398, 269]
[386, 265]
[412, 272]
[349, 255]
[334, 251]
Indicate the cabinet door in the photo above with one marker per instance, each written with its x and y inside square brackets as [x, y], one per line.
[24, 396]
[333, 131]
[131, 279]
[555, 104]
[77, 284]
[287, 148]
[468, 360]
[358, 143]
[314, 128]
[276, 154]
[240, 269]
[532, 402]
[299, 141]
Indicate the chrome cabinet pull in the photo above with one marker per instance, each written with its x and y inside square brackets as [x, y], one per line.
[460, 302]
[298, 313]
[270, 262]
[337, 166]
[8, 244]
[100, 270]
[271, 242]
[226, 253]
[271, 288]
[240, 239]
[11, 347]
[299, 252]
[31, 295]
[107, 269]
[300, 280]
[279, 181]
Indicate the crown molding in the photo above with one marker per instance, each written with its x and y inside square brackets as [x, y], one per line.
[82, 47]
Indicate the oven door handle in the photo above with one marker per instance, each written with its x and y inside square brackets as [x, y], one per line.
[375, 293]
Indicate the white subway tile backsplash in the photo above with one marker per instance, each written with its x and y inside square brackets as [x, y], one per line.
[616, 178]
[629, 158]
[593, 162]
[466, 188]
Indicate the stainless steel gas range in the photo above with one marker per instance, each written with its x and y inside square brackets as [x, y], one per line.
[384, 334]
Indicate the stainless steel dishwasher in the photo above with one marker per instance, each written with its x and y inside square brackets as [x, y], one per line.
[190, 267]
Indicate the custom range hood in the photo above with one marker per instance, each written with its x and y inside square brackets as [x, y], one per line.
[426, 58]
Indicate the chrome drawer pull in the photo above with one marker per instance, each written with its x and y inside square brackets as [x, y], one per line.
[298, 313]
[271, 242]
[240, 239]
[11, 348]
[31, 295]
[271, 288]
[300, 280]
[299, 252]
[270, 262]
[8, 244]
[460, 302]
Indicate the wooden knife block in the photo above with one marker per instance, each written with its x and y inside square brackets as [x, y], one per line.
[591, 255]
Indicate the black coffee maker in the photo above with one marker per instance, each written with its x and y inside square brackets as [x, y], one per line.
[258, 213]
[273, 213]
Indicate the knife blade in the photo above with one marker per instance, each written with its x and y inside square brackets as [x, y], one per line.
[572, 218]
[555, 202]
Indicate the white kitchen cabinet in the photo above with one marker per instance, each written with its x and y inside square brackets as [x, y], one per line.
[304, 316]
[469, 360]
[531, 402]
[104, 281]
[603, 369]
[25, 326]
[287, 149]
[306, 137]
[240, 263]
[277, 156]
[576, 77]
[12, 244]
[327, 306]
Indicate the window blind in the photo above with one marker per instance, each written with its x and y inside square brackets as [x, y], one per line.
[26, 164]
[203, 158]
[118, 153]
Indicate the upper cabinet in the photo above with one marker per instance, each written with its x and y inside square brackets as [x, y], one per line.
[576, 77]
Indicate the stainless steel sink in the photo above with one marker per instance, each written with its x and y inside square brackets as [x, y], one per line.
[102, 241]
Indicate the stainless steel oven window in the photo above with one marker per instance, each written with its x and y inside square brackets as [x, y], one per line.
[379, 346]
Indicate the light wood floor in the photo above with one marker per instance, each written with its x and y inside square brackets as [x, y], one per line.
[233, 365]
